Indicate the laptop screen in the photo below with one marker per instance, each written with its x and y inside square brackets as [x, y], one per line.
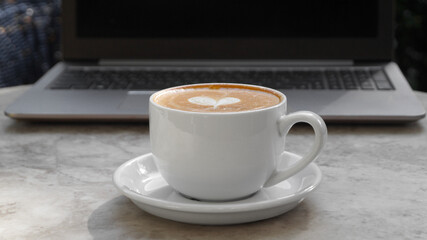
[227, 19]
[221, 29]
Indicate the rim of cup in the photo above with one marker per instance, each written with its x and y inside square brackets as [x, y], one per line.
[282, 97]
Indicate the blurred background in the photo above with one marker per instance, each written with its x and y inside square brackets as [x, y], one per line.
[411, 41]
[30, 40]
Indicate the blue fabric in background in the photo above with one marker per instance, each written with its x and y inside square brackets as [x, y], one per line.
[29, 39]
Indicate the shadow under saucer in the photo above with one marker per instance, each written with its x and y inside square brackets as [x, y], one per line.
[119, 218]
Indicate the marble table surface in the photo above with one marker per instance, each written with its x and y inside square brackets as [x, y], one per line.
[56, 183]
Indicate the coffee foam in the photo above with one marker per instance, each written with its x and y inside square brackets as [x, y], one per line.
[217, 98]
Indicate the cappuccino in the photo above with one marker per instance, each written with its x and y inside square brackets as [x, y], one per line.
[226, 141]
[217, 98]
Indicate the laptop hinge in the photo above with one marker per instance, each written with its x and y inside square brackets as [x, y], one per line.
[226, 63]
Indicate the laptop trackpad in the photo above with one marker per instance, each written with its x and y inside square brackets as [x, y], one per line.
[136, 101]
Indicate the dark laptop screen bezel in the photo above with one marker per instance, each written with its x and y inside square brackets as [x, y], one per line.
[378, 48]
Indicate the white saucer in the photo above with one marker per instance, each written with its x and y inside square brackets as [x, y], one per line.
[139, 180]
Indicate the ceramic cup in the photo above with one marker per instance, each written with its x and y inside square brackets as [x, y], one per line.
[228, 155]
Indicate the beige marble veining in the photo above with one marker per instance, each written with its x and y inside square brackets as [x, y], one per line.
[55, 183]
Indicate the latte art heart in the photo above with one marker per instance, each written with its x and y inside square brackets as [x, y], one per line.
[207, 101]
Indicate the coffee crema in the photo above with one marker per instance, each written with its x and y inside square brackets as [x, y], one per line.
[217, 98]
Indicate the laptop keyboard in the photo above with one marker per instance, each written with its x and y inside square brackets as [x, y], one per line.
[151, 80]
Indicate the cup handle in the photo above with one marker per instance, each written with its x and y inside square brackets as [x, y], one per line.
[320, 134]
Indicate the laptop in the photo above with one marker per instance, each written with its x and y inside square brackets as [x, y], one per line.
[330, 57]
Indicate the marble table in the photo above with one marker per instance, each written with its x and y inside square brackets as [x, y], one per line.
[56, 183]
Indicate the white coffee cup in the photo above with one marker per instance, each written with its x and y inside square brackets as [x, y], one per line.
[227, 155]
